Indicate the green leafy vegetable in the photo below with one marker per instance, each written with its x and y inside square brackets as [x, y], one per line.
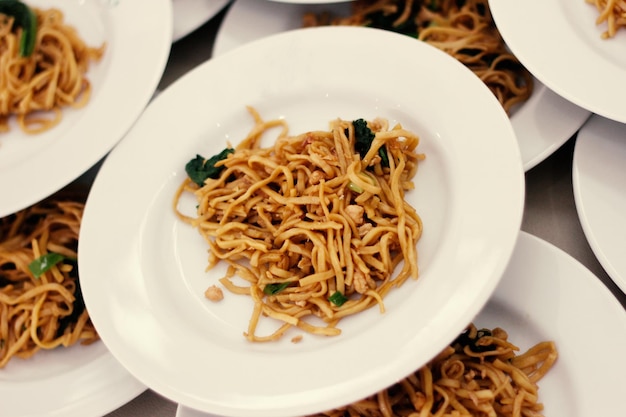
[433, 5]
[24, 18]
[384, 158]
[275, 288]
[464, 339]
[199, 169]
[337, 298]
[42, 264]
[363, 138]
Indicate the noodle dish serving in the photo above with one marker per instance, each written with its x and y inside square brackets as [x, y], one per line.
[320, 219]
[46, 335]
[313, 214]
[44, 63]
[66, 93]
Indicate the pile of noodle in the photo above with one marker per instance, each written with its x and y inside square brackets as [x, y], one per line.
[464, 29]
[611, 12]
[36, 88]
[48, 311]
[479, 375]
[310, 214]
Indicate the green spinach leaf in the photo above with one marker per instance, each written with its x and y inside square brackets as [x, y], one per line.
[199, 169]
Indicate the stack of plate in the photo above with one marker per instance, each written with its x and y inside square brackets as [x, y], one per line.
[575, 61]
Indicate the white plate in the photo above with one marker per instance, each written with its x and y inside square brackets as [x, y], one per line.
[148, 302]
[310, 1]
[542, 124]
[599, 176]
[80, 381]
[189, 15]
[33, 167]
[564, 50]
[540, 298]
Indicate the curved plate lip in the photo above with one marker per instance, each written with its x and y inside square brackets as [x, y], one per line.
[573, 60]
[542, 124]
[89, 382]
[84, 136]
[189, 15]
[598, 178]
[573, 387]
[145, 341]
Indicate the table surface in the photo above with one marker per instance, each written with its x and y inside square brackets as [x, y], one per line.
[549, 213]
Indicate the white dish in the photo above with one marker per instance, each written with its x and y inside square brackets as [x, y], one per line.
[572, 59]
[540, 298]
[148, 305]
[598, 176]
[542, 124]
[33, 167]
[189, 15]
[79, 381]
[310, 1]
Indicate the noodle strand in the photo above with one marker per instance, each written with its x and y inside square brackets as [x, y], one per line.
[463, 29]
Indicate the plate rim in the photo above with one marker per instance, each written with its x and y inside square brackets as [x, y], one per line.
[557, 74]
[104, 385]
[183, 28]
[598, 245]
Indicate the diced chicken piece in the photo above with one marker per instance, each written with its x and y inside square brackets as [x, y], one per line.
[365, 228]
[378, 124]
[360, 282]
[316, 177]
[375, 160]
[214, 293]
[304, 263]
[419, 401]
[356, 213]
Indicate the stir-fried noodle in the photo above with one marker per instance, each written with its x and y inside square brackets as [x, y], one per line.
[315, 224]
[34, 89]
[611, 12]
[40, 302]
[479, 375]
[464, 29]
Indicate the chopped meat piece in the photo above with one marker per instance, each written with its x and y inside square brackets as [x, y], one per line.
[365, 228]
[316, 177]
[214, 293]
[360, 282]
[356, 213]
